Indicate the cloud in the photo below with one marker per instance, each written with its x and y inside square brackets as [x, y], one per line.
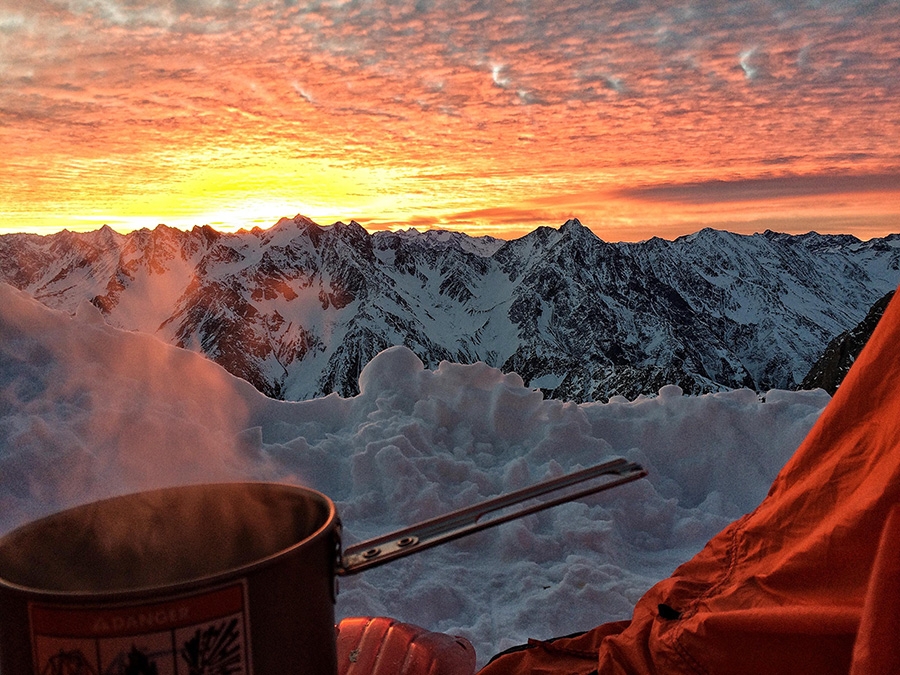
[746, 60]
[12, 23]
[499, 100]
[497, 77]
[507, 215]
[765, 189]
[302, 92]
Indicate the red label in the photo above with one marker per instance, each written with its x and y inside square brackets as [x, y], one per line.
[206, 632]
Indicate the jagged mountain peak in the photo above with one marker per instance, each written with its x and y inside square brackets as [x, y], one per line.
[164, 233]
[484, 246]
[709, 235]
[781, 236]
[539, 238]
[102, 238]
[351, 230]
[653, 243]
[303, 221]
[109, 233]
[299, 309]
[573, 233]
[206, 233]
[574, 226]
[287, 229]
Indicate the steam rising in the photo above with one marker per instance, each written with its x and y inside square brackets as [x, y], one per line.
[161, 538]
[89, 411]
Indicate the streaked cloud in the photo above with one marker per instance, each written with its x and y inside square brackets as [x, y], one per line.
[767, 189]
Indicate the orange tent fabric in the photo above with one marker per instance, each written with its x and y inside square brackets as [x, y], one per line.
[808, 583]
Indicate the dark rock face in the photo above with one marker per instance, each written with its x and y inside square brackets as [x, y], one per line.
[298, 310]
[830, 370]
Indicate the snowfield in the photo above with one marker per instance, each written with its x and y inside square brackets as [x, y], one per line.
[89, 411]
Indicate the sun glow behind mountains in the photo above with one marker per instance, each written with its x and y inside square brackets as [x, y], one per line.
[488, 118]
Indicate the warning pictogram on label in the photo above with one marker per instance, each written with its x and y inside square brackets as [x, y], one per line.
[186, 635]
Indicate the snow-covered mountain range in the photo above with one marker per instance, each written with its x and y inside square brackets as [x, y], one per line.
[299, 309]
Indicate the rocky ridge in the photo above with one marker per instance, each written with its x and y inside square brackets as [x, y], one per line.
[299, 309]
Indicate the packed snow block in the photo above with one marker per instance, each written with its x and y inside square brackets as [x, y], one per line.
[383, 646]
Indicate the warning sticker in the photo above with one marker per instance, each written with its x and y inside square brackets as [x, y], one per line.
[188, 635]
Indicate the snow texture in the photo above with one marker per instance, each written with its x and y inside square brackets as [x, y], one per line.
[89, 411]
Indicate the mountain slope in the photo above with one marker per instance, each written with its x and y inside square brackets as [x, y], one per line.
[829, 371]
[299, 309]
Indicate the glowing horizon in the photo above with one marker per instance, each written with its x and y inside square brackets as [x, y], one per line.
[650, 120]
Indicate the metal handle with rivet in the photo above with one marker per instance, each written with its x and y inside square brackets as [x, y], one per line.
[475, 518]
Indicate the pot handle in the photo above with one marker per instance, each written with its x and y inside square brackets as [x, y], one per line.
[469, 520]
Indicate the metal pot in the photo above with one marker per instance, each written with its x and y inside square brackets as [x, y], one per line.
[240, 576]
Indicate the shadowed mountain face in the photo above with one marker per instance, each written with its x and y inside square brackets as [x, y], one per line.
[299, 309]
[832, 367]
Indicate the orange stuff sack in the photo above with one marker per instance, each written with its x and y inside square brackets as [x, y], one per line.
[384, 646]
[808, 583]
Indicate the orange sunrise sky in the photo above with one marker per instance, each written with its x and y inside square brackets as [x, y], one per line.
[639, 118]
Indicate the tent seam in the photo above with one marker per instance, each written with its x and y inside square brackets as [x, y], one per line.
[732, 557]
